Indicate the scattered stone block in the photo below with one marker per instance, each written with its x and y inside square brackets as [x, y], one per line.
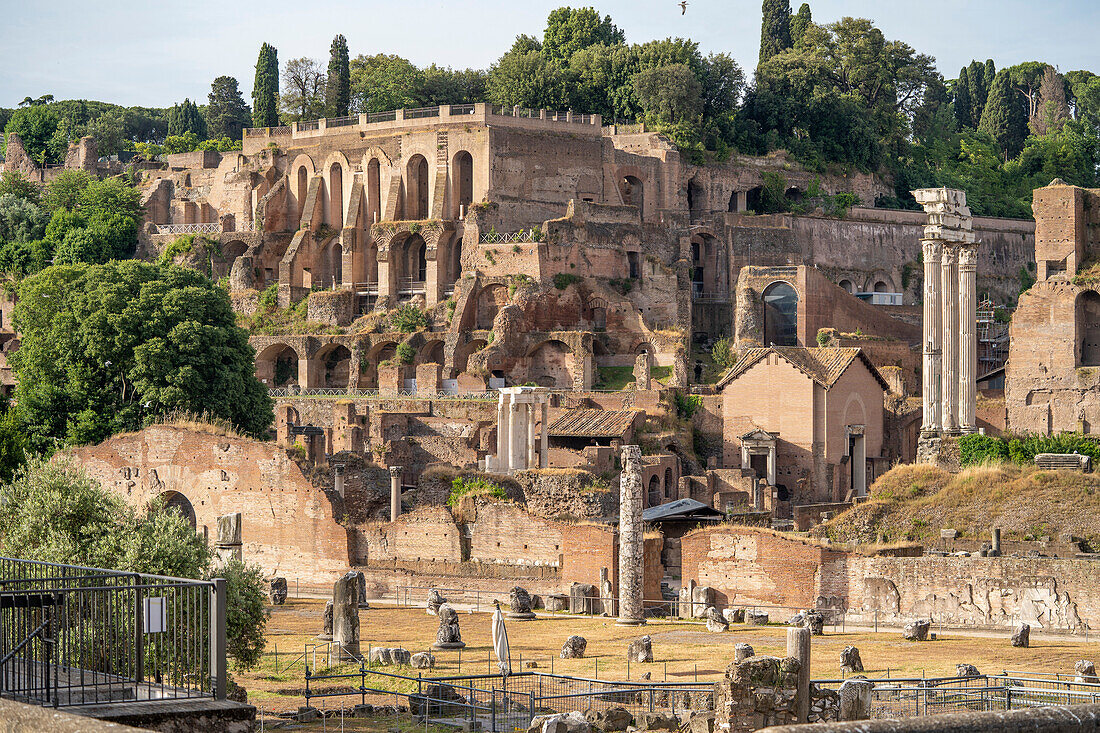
[573, 722]
[530, 665]
[966, 670]
[702, 598]
[815, 622]
[701, 721]
[914, 631]
[345, 620]
[435, 600]
[855, 699]
[557, 602]
[640, 650]
[449, 636]
[1086, 671]
[278, 591]
[307, 714]
[326, 623]
[584, 598]
[734, 615]
[741, 652]
[850, 660]
[386, 656]
[1021, 637]
[438, 699]
[520, 601]
[716, 622]
[574, 647]
[423, 660]
[612, 720]
[756, 618]
[654, 720]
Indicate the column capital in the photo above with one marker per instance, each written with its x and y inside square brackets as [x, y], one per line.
[932, 249]
[950, 253]
[968, 258]
[396, 471]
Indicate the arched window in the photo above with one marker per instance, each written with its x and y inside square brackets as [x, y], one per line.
[416, 188]
[1088, 329]
[336, 196]
[654, 491]
[303, 189]
[374, 188]
[696, 197]
[847, 285]
[633, 192]
[462, 182]
[881, 287]
[781, 315]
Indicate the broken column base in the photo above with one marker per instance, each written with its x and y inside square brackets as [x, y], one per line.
[929, 449]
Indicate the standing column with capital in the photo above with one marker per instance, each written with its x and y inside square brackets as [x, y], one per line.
[631, 541]
[544, 447]
[529, 408]
[395, 491]
[968, 339]
[502, 432]
[949, 419]
[933, 337]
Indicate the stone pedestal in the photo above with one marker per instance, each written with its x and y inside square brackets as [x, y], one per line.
[448, 636]
[345, 620]
[631, 546]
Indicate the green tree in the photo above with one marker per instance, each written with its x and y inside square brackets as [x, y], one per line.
[265, 90]
[384, 82]
[439, 85]
[338, 87]
[1025, 79]
[568, 30]
[16, 184]
[964, 114]
[185, 118]
[1052, 109]
[245, 613]
[21, 220]
[303, 90]
[531, 80]
[13, 444]
[800, 22]
[669, 94]
[226, 112]
[106, 348]
[775, 28]
[81, 246]
[979, 89]
[34, 125]
[1004, 118]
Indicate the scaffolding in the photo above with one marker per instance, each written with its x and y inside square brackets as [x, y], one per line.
[992, 338]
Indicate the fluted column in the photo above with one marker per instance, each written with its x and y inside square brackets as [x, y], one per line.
[529, 408]
[544, 447]
[968, 340]
[502, 432]
[949, 419]
[933, 336]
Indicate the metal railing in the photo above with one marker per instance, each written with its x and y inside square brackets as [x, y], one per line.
[374, 393]
[73, 635]
[462, 109]
[712, 296]
[407, 285]
[420, 112]
[311, 125]
[388, 116]
[342, 121]
[523, 235]
[206, 228]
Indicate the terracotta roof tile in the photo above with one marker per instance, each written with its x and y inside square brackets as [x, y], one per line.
[822, 365]
[591, 423]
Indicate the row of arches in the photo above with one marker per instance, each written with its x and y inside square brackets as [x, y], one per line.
[335, 179]
[738, 202]
[877, 284]
[658, 491]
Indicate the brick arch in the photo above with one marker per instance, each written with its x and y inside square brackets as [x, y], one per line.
[177, 501]
[268, 368]
[335, 362]
[298, 176]
[1086, 318]
[377, 170]
[490, 299]
[463, 352]
[550, 364]
[432, 352]
[336, 201]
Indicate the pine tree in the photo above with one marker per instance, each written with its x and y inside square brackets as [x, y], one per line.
[775, 28]
[979, 90]
[800, 22]
[185, 117]
[338, 86]
[226, 112]
[1004, 117]
[963, 111]
[1052, 110]
[990, 74]
[265, 92]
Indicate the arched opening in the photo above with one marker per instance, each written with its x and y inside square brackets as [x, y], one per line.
[654, 493]
[221, 265]
[430, 353]
[277, 366]
[780, 315]
[550, 365]
[335, 362]
[848, 286]
[462, 182]
[670, 490]
[456, 261]
[696, 197]
[596, 313]
[462, 353]
[368, 367]
[489, 302]
[881, 287]
[329, 270]
[374, 191]
[754, 200]
[732, 208]
[336, 196]
[1088, 328]
[416, 188]
[174, 501]
[302, 191]
[412, 265]
[644, 348]
[793, 194]
[633, 192]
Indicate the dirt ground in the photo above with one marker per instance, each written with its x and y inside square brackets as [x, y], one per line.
[684, 651]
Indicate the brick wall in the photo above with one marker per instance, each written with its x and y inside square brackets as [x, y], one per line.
[504, 533]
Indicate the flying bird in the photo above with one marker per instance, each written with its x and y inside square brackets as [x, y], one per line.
[683, 7]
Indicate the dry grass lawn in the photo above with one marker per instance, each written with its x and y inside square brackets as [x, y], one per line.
[684, 650]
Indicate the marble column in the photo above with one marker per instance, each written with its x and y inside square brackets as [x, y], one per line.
[968, 339]
[631, 542]
[513, 431]
[949, 419]
[544, 445]
[933, 336]
[395, 491]
[502, 432]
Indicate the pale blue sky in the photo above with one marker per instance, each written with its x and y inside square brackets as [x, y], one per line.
[156, 52]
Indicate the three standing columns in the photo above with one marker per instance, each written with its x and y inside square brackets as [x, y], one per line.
[950, 347]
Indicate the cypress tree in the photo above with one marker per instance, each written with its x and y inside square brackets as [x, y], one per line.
[338, 83]
[800, 22]
[979, 90]
[775, 28]
[990, 74]
[963, 113]
[265, 91]
[185, 117]
[226, 112]
[1004, 117]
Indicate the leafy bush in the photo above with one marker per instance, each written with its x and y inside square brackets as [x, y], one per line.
[408, 319]
[723, 353]
[269, 298]
[562, 280]
[686, 404]
[976, 449]
[621, 284]
[475, 486]
[406, 354]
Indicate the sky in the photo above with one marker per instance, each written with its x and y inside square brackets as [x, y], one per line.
[154, 53]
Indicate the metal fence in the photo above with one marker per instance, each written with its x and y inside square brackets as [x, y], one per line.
[344, 392]
[73, 635]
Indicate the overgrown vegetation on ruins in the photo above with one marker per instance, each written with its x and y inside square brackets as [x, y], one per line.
[914, 502]
[976, 450]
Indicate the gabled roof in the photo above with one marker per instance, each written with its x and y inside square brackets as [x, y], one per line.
[590, 423]
[758, 434]
[681, 509]
[823, 365]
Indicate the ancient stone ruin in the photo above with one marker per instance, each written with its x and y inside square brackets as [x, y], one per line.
[574, 647]
[435, 600]
[345, 620]
[520, 602]
[640, 650]
[631, 529]
[850, 661]
[448, 636]
[278, 591]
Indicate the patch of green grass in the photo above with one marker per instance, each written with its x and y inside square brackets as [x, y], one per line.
[614, 378]
[661, 373]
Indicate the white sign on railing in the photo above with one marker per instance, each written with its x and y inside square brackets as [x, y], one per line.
[156, 615]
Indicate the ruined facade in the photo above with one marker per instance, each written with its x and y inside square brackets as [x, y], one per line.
[1052, 378]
